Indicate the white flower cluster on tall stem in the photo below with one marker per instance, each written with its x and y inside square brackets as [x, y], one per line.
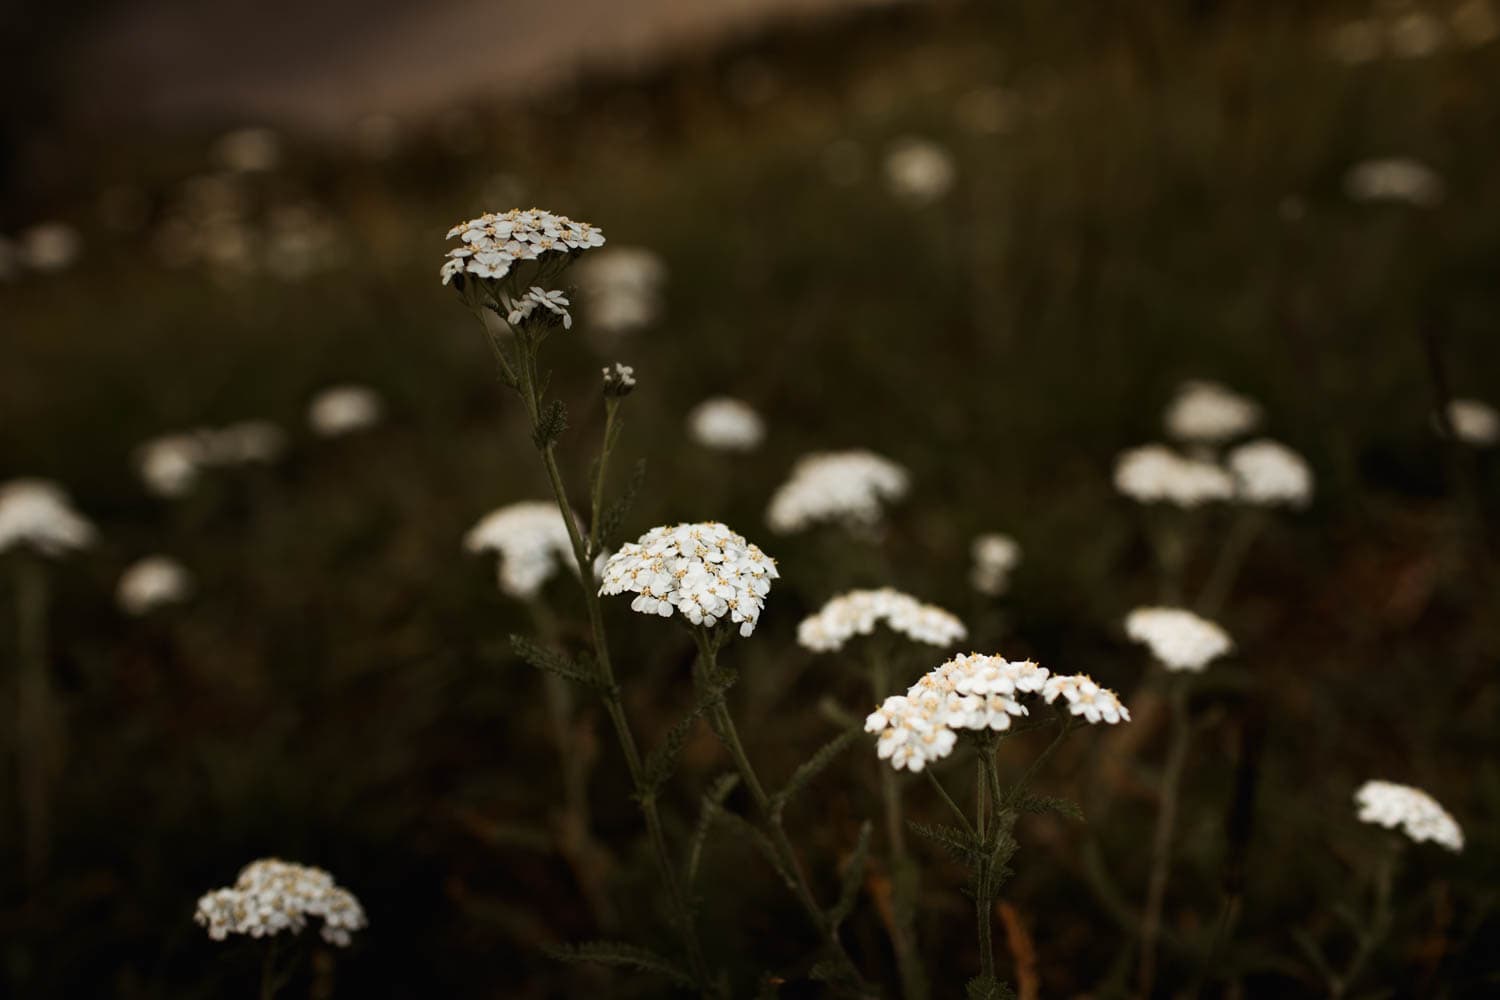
[491, 245]
[271, 896]
[170, 466]
[1157, 474]
[344, 409]
[995, 556]
[1418, 814]
[976, 692]
[844, 487]
[726, 424]
[151, 583]
[1179, 639]
[532, 541]
[37, 514]
[1403, 181]
[919, 170]
[1209, 413]
[704, 572]
[1474, 422]
[621, 288]
[859, 611]
[1268, 474]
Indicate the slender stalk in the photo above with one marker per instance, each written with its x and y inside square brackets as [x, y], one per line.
[37, 750]
[983, 902]
[268, 981]
[1230, 560]
[937, 785]
[1161, 845]
[904, 872]
[1379, 926]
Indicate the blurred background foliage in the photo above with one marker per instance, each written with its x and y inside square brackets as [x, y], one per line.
[1143, 193]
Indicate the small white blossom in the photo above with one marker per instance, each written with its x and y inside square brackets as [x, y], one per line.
[244, 443]
[50, 247]
[619, 380]
[621, 288]
[539, 298]
[344, 409]
[1157, 474]
[995, 556]
[704, 572]
[911, 735]
[1474, 422]
[151, 583]
[271, 896]
[1417, 814]
[847, 487]
[1415, 34]
[37, 513]
[532, 541]
[1181, 640]
[726, 424]
[1086, 698]
[1268, 474]
[492, 244]
[1395, 180]
[1205, 412]
[169, 466]
[859, 611]
[919, 170]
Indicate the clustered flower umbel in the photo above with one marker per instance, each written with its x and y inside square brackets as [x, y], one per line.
[170, 465]
[492, 244]
[1268, 474]
[1179, 639]
[704, 572]
[995, 555]
[1208, 413]
[532, 541]
[1156, 474]
[621, 288]
[619, 380]
[847, 487]
[151, 583]
[1474, 422]
[1395, 179]
[271, 896]
[37, 514]
[1417, 814]
[344, 409]
[976, 692]
[726, 424]
[859, 611]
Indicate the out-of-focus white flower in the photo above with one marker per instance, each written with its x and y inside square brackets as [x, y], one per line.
[249, 150]
[1085, 697]
[1157, 474]
[847, 487]
[50, 247]
[859, 611]
[169, 465]
[1395, 179]
[1179, 639]
[995, 555]
[726, 424]
[1204, 412]
[1415, 34]
[1474, 422]
[704, 572]
[244, 443]
[492, 244]
[1268, 474]
[1474, 23]
[621, 288]
[1417, 814]
[37, 513]
[344, 409]
[1354, 43]
[151, 583]
[271, 896]
[532, 541]
[919, 170]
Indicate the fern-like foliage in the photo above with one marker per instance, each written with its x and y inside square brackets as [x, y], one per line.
[580, 671]
[621, 955]
[662, 761]
[550, 424]
[812, 767]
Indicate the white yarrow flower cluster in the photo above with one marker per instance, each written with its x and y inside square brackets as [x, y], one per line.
[344, 409]
[1179, 639]
[493, 243]
[726, 424]
[536, 298]
[1395, 180]
[919, 170]
[1157, 474]
[1268, 474]
[271, 896]
[846, 487]
[859, 611]
[151, 583]
[1417, 814]
[619, 380]
[171, 465]
[1208, 413]
[995, 556]
[704, 572]
[1474, 422]
[1084, 697]
[532, 541]
[621, 288]
[50, 247]
[37, 513]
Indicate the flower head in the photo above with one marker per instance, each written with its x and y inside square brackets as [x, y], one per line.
[554, 304]
[491, 245]
[344, 409]
[995, 555]
[1181, 640]
[50, 247]
[726, 424]
[1085, 697]
[532, 541]
[171, 465]
[1474, 423]
[621, 288]
[1394, 180]
[619, 380]
[911, 734]
[847, 487]
[1417, 814]
[1209, 413]
[1268, 474]
[1157, 474]
[704, 572]
[271, 896]
[859, 611]
[38, 514]
[151, 583]
[919, 170]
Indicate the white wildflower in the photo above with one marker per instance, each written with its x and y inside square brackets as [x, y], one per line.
[995, 556]
[344, 409]
[151, 583]
[492, 244]
[1205, 412]
[848, 487]
[1415, 34]
[919, 170]
[38, 514]
[169, 465]
[532, 541]
[1157, 474]
[1268, 474]
[1474, 422]
[539, 298]
[859, 611]
[621, 288]
[271, 896]
[726, 424]
[249, 150]
[50, 247]
[619, 380]
[704, 572]
[911, 736]
[1179, 639]
[244, 443]
[1394, 179]
[1417, 814]
[1085, 697]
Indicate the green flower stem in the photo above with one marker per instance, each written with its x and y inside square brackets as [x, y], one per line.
[1161, 845]
[1379, 926]
[983, 904]
[37, 744]
[937, 786]
[269, 982]
[1242, 534]
[904, 872]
